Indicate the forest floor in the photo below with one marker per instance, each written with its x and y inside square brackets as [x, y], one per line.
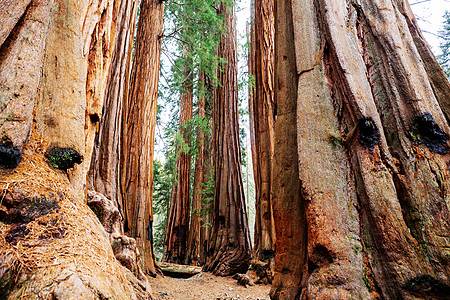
[205, 286]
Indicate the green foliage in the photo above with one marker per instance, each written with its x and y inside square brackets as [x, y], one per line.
[366, 280]
[192, 33]
[245, 83]
[191, 36]
[188, 142]
[444, 57]
[163, 178]
[207, 200]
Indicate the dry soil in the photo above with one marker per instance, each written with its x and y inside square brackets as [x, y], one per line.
[205, 286]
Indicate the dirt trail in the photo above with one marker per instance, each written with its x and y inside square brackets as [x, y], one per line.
[206, 286]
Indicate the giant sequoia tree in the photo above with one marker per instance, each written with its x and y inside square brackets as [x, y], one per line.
[229, 251]
[262, 120]
[178, 219]
[372, 139]
[193, 242]
[104, 174]
[138, 131]
[54, 61]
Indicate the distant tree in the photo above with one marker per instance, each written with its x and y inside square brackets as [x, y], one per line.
[194, 29]
[193, 242]
[179, 213]
[230, 249]
[162, 191]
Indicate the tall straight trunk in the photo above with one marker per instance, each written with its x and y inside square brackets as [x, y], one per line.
[193, 244]
[177, 229]
[59, 49]
[377, 215]
[138, 132]
[207, 199]
[288, 204]
[206, 205]
[104, 172]
[230, 248]
[262, 123]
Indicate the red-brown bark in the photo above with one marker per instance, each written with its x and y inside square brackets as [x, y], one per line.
[230, 249]
[373, 152]
[104, 174]
[262, 123]
[288, 204]
[23, 37]
[138, 131]
[49, 237]
[207, 176]
[177, 229]
[193, 244]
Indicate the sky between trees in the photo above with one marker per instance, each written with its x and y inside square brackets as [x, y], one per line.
[430, 16]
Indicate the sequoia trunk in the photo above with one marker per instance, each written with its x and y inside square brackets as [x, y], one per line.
[49, 238]
[230, 248]
[207, 184]
[375, 193]
[288, 204]
[206, 203]
[193, 245]
[178, 221]
[138, 131]
[262, 123]
[104, 173]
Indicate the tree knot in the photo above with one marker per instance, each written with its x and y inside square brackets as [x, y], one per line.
[424, 130]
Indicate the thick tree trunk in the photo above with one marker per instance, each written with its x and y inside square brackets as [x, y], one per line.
[52, 246]
[193, 245]
[104, 172]
[262, 123]
[230, 248]
[177, 229]
[138, 131]
[288, 204]
[23, 36]
[437, 77]
[377, 215]
[65, 109]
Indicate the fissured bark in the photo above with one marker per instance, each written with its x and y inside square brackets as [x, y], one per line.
[372, 143]
[230, 248]
[177, 230]
[138, 132]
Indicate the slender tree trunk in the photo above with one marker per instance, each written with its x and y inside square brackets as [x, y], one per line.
[375, 192]
[49, 238]
[138, 131]
[288, 204]
[177, 229]
[104, 176]
[230, 249]
[206, 206]
[193, 245]
[262, 123]
[207, 199]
